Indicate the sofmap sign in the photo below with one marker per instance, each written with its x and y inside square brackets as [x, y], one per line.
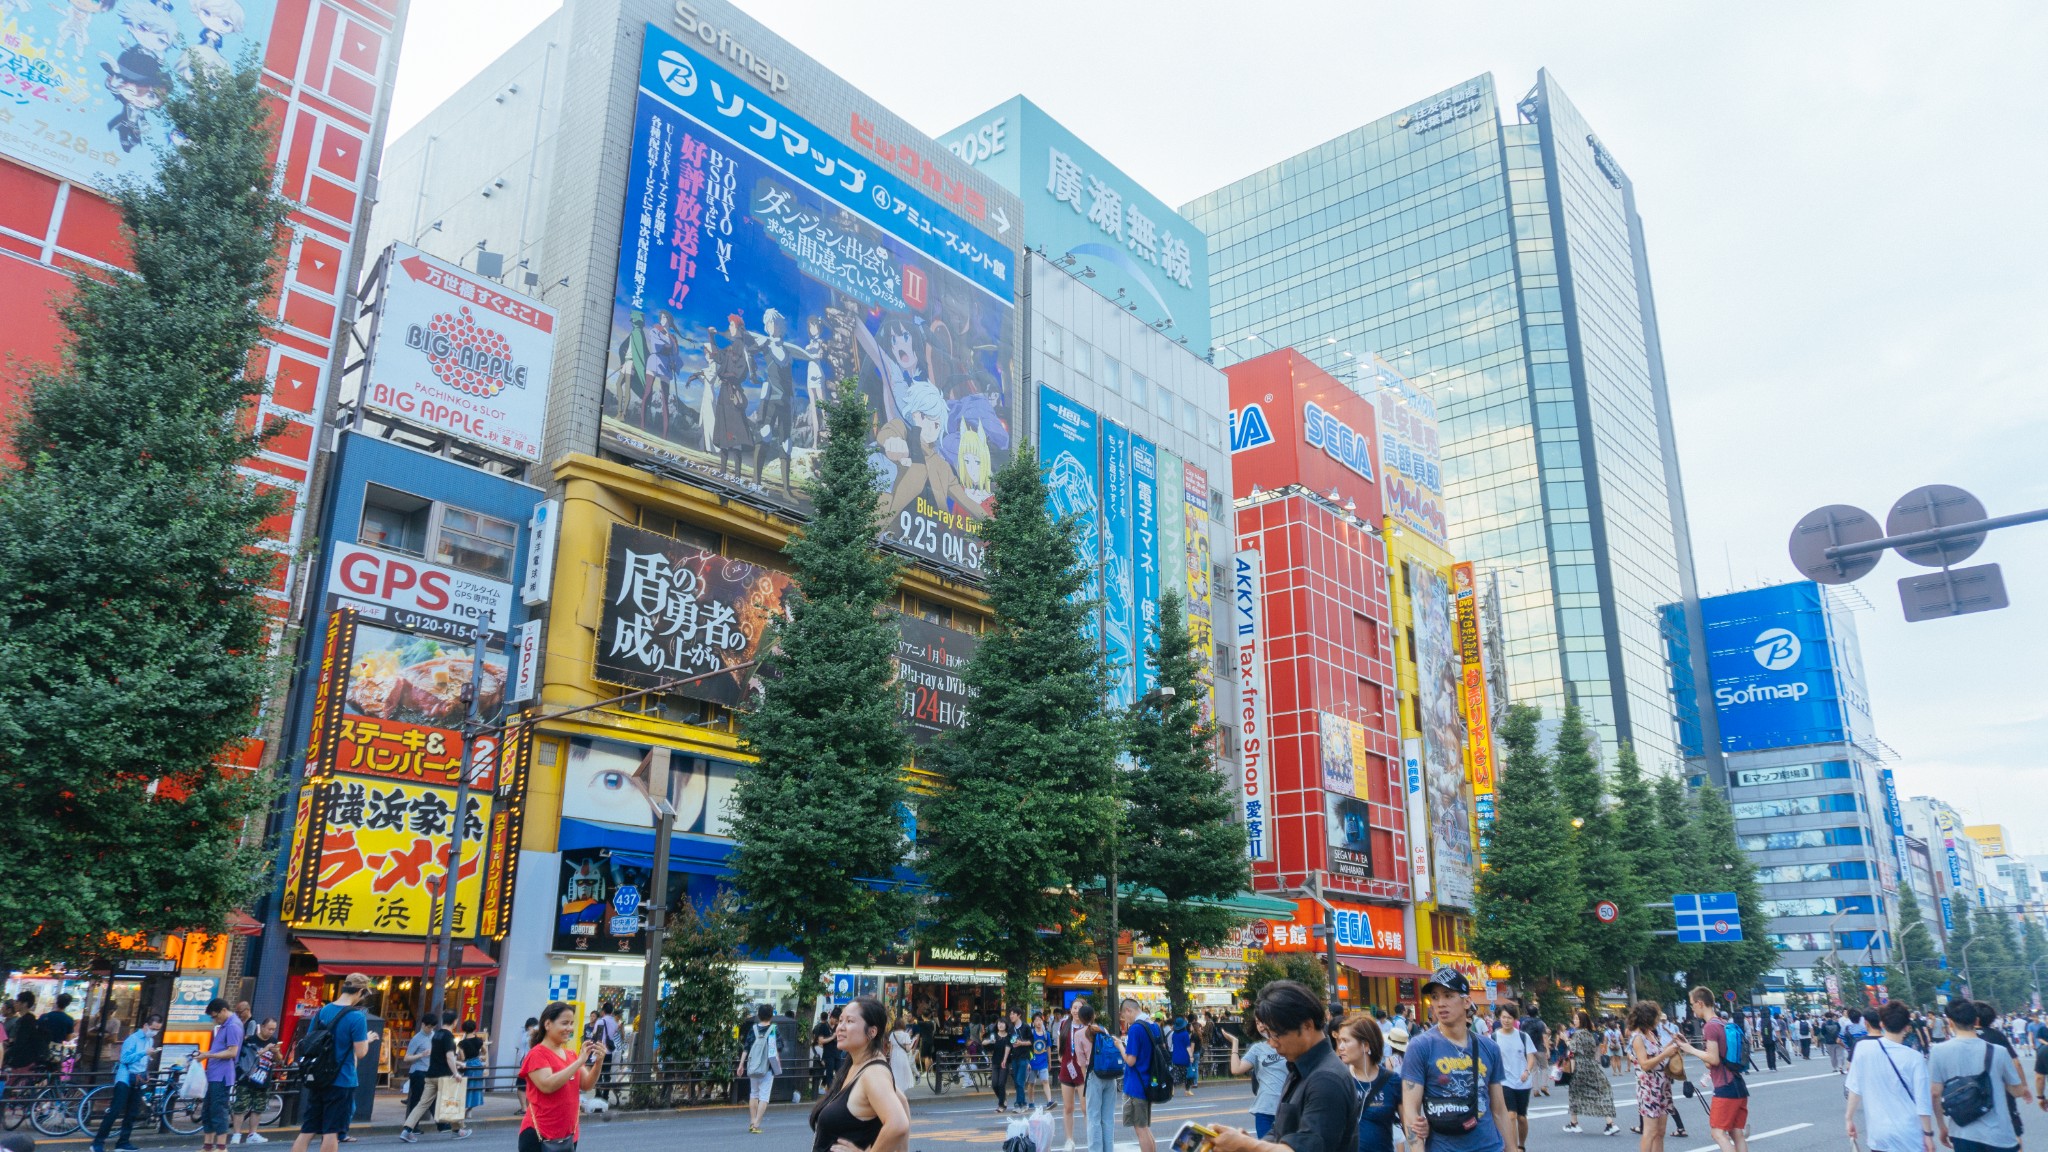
[1771, 657]
[457, 353]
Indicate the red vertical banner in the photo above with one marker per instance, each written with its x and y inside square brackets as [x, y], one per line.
[331, 693]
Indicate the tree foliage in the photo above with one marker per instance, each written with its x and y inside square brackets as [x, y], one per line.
[1601, 862]
[1178, 839]
[1639, 832]
[1530, 903]
[700, 966]
[1915, 972]
[1023, 814]
[1715, 862]
[133, 646]
[817, 822]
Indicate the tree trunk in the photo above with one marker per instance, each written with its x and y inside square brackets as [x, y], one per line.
[1177, 978]
[810, 984]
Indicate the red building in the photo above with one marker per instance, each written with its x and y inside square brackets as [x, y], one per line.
[1305, 466]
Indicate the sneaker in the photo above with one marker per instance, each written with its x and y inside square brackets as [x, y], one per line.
[255, 1138]
[236, 1138]
[126, 1148]
[97, 1148]
[1573, 1128]
[408, 1135]
[464, 1133]
[1611, 1131]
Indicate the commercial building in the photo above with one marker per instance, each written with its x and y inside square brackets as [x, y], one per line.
[1499, 263]
[92, 118]
[1327, 798]
[1961, 875]
[1814, 802]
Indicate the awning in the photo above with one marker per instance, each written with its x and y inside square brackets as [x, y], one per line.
[240, 923]
[391, 957]
[1372, 966]
[1247, 904]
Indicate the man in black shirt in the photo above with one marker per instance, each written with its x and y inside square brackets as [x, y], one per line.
[58, 1025]
[1319, 1108]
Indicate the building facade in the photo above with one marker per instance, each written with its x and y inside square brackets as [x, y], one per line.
[1813, 799]
[1500, 265]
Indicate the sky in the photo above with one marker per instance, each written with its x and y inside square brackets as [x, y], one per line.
[1843, 209]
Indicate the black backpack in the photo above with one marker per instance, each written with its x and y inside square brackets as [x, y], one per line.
[1967, 1099]
[317, 1063]
[1159, 1069]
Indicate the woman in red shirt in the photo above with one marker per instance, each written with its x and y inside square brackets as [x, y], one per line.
[556, 1077]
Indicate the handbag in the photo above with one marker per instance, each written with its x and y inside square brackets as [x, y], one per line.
[1454, 1115]
[567, 1144]
[450, 1107]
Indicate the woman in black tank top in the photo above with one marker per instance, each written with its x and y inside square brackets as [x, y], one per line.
[836, 1124]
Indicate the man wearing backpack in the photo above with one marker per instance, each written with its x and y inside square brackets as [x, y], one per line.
[1805, 1038]
[760, 1064]
[335, 1038]
[1725, 1052]
[1968, 1079]
[1831, 1039]
[1890, 1087]
[1142, 1071]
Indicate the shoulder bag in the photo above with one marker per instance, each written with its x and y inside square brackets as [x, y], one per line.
[1456, 1115]
[567, 1143]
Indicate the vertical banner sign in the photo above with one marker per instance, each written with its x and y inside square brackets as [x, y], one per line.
[526, 663]
[1478, 714]
[1145, 555]
[303, 867]
[1200, 631]
[330, 694]
[508, 822]
[1895, 823]
[1438, 683]
[1119, 618]
[1173, 519]
[1255, 777]
[1067, 452]
[1418, 818]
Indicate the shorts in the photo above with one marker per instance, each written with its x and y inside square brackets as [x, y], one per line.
[215, 1122]
[1137, 1112]
[1517, 1099]
[325, 1111]
[759, 1085]
[1041, 1075]
[1728, 1114]
[250, 1096]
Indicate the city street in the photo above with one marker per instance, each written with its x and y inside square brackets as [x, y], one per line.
[1796, 1109]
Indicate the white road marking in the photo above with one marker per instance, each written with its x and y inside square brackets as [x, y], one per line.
[1756, 1136]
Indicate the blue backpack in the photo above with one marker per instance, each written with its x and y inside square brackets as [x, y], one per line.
[1105, 1061]
[1737, 1055]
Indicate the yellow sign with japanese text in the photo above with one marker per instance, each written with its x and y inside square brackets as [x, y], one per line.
[382, 859]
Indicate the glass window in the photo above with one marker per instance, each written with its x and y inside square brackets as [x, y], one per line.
[1084, 359]
[1166, 406]
[395, 520]
[476, 543]
[1112, 375]
[1137, 390]
[1054, 342]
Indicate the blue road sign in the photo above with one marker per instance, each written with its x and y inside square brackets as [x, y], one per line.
[1707, 917]
[626, 900]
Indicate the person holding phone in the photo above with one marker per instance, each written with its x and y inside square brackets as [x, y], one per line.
[556, 1077]
[1318, 1109]
[1451, 1095]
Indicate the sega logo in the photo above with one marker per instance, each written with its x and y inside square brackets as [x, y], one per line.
[1338, 440]
[1248, 428]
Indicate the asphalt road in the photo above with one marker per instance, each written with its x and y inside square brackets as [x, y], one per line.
[1795, 1109]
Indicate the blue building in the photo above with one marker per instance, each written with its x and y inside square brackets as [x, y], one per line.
[1814, 802]
[1499, 263]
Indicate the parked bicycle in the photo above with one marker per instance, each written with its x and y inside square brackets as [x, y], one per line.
[970, 1072]
[160, 1104]
[45, 1098]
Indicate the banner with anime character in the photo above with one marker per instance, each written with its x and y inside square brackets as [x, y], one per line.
[82, 81]
[764, 264]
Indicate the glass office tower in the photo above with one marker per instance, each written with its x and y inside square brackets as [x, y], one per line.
[1499, 263]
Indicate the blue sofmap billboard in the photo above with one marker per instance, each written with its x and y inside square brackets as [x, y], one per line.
[1777, 680]
[1143, 253]
[763, 262]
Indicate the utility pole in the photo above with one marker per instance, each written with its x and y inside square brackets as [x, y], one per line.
[656, 919]
[1328, 931]
[458, 830]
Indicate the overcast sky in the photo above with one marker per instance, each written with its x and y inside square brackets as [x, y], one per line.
[1847, 214]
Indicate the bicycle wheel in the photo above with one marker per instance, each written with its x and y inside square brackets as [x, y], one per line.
[937, 1077]
[56, 1111]
[92, 1107]
[184, 1117]
[273, 1110]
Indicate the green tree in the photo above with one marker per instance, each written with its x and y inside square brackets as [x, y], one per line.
[2003, 978]
[1715, 862]
[1602, 863]
[133, 643]
[700, 964]
[1963, 952]
[2034, 954]
[1178, 839]
[1651, 865]
[817, 822]
[1529, 903]
[1915, 970]
[1023, 811]
[1667, 957]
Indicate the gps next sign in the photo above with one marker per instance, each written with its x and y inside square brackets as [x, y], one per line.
[1776, 684]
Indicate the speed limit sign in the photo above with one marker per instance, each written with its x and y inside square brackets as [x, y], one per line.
[1606, 912]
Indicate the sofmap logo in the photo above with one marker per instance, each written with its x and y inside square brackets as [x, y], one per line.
[1248, 429]
[1776, 649]
[677, 72]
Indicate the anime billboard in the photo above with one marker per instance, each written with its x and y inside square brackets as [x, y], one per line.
[1442, 768]
[763, 264]
[83, 82]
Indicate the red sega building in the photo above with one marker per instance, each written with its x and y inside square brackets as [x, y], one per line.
[1305, 467]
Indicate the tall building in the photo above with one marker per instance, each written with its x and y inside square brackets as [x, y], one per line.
[1814, 803]
[1500, 264]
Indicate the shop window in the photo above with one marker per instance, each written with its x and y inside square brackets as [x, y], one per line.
[476, 543]
[395, 521]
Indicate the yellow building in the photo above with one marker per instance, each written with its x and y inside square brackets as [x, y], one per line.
[657, 581]
[1441, 833]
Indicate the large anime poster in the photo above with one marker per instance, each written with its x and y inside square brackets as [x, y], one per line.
[83, 82]
[1068, 451]
[1119, 620]
[764, 264]
[1443, 734]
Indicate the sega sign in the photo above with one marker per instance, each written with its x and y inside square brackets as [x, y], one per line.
[1338, 440]
[1293, 425]
[414, 595]
[1777, 682]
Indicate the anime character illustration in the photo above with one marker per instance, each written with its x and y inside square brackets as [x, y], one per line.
[776, 356]
[150, 27]
[138, 80]
[974, 419]
[76, 30]
[218, 19]
[632, 369]
[898, 352]
[911, 442]
[732, 366]
[664, 354]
